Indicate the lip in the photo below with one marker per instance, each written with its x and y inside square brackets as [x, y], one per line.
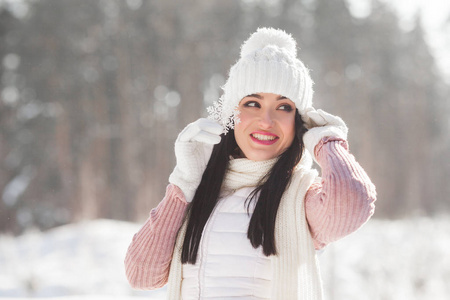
[261, 142]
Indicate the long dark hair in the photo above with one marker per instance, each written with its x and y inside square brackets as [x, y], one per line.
[261, 230]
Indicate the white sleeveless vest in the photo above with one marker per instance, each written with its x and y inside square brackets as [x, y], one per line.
[294, 270]
[227, 265]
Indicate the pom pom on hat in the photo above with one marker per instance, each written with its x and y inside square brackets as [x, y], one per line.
[269, 36]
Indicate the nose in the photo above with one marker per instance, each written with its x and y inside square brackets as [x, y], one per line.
[266, 120]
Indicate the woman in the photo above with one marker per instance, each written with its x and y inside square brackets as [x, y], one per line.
[244, 212]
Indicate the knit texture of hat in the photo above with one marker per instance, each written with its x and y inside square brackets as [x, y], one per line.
[268, 64]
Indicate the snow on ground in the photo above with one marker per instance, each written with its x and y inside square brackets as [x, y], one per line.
[76, 259]
[390, 260]
[395, 260]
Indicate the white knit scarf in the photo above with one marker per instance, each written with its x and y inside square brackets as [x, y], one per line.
[295, 268]
[242, 172]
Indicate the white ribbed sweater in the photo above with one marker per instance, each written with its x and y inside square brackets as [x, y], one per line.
[295, 267]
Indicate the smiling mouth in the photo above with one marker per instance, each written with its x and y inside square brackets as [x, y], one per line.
[264, 139]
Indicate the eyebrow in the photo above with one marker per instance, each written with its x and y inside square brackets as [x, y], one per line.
[261, 97]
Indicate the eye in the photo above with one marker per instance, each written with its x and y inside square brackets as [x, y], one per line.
[285, 107]
[251, 104]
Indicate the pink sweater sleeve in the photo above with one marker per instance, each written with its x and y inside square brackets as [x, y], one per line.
[148, 258]
[344, 200]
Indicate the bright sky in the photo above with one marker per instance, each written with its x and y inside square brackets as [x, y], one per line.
[434, 14]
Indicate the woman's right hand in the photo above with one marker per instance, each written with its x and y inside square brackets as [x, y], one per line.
[193, 149]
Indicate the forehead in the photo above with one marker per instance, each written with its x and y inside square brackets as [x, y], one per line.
[268, 96]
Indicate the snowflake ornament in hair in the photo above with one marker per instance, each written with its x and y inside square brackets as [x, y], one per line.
[268, 64]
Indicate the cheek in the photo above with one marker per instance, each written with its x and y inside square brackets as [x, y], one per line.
[289, 130]
[239, 132]
[244, 120]
[244, 115]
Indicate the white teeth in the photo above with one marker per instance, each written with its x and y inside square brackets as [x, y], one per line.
[263, 137]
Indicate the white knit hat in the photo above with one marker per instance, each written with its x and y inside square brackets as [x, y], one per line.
[268, 64]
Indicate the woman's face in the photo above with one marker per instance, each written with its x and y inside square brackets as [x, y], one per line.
[267, 125]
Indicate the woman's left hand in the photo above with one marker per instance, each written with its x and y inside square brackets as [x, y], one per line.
[321, 124]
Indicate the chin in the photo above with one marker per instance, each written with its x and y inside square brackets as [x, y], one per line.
[261, 157]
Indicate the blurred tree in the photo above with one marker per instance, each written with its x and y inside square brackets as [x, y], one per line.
[9, 156]
[419, 101]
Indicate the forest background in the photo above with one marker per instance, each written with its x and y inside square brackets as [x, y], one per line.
[94, 93]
